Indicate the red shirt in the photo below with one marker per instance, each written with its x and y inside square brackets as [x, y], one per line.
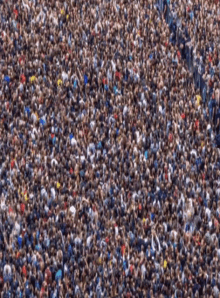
[42, 292]
[12, 163]
[22, 58]
[48, 275]
[170, 137]
[15, 12]
[24, 270]
[118, 75]
[123, 250]
[22, 207]
[23, 78]
[197, 124]
[104, 81]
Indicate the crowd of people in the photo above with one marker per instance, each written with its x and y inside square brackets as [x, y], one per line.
[195, 30]
[110, 174]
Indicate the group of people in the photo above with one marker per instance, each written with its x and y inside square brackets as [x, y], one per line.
[110, 174]
[195, 29]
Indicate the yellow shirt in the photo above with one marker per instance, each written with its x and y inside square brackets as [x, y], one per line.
[198, 100]
[37, 116]
[59, 82]
[33, 78]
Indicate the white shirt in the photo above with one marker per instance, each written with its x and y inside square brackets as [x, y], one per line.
[73, 141]
[64, 76]
[73, 210]
[53, 193]
[54, 161]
